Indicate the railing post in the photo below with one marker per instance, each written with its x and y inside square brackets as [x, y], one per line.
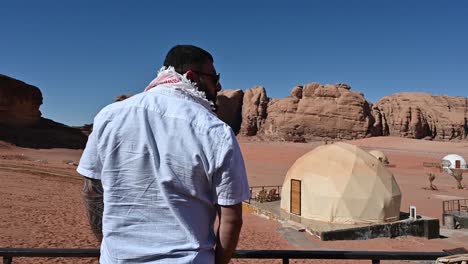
[376, 261]
[285, 260]
[7, 260]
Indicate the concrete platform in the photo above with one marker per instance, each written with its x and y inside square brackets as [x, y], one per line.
[421, 227]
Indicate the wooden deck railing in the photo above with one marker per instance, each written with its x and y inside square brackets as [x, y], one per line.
[459, 205]
[253, 195]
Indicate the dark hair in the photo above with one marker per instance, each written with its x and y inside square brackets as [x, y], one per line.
[184, 57]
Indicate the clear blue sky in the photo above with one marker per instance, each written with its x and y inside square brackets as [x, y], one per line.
[82, 54]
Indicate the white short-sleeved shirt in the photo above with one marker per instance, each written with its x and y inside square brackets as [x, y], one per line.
[164, 161]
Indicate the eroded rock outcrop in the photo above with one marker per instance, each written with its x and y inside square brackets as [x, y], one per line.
[316, 111]
[21, 122]
[312, 112]
[44, 134]
[122, 97]
[422, 115]
[19, 102]
[230, 108]
[254, 111]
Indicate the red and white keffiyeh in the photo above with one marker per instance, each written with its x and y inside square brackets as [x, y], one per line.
[168, 77]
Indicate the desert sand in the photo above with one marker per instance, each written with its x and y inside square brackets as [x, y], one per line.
[41, 205]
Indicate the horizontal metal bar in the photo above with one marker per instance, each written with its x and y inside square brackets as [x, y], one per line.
[247, 254]
[50, 252]
[328, 254]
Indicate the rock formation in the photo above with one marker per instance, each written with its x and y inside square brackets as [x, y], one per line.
[19, 102]
[122, 97]
[422, 115]
[44, 134]
[230, 108]
[254, 111]
[312, 112]
[316, 111]
[21, 122]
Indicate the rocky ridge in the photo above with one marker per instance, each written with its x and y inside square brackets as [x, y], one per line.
[421, 115]
[313, 111]
[21, 122]
[19, 102]
[316, 112]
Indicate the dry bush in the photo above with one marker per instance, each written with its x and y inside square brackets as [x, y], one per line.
[14, 157]
[458, 177]
[431, 178]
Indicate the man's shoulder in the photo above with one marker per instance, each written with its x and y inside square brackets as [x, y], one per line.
[118, 106]
[169, 108]
[123, 103]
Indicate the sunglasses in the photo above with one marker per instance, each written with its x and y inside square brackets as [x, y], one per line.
[215, 77]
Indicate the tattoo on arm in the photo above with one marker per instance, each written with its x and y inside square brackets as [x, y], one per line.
[93, 197]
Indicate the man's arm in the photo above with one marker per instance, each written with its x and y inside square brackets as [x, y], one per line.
[93, 198]
[230, 223]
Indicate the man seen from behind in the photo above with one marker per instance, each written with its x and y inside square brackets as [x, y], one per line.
[160, 165]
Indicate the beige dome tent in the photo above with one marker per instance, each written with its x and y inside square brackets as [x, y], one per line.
[341, 183]
[380, 156]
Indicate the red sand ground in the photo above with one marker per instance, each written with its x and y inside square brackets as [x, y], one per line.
[41, 204]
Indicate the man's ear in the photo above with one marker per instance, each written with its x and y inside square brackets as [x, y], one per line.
[190, 75]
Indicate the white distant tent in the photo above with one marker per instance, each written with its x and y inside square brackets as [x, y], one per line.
[341, 183]
[453, 161]
[380, 156]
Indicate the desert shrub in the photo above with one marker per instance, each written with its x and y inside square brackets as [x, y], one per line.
[458, 177]
[14, 157]
[431, 178]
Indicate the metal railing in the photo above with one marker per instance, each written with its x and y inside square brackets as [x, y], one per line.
[285, 255]
[455, 205]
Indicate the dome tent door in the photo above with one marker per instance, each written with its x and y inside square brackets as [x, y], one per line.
[295, 207]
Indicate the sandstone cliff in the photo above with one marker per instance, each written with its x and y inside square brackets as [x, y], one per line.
[312, 112]
[254, 111]
[122, 97]
[21, 122]
[422, 115]
[19, 102]
[230, 108]
[44, 134]
[316, 112]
